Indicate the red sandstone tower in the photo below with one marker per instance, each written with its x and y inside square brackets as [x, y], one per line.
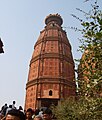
[51, 73]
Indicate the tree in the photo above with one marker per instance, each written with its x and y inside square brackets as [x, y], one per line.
[88, 104]
[90, 82]
[80, 109]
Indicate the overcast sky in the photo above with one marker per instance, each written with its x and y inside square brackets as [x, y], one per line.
[20, 24]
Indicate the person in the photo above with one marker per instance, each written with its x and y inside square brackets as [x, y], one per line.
[47, 114]
[36, 112]
[15, 114]
[3, 109]
[38, 117]
[20, 108]
[13, 105]
[40, 112]
[9, 108]
[1, 116]
[29, 114]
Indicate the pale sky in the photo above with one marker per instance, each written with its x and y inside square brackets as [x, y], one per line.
[20, 24]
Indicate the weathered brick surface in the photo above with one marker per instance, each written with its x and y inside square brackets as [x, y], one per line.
[51, 71]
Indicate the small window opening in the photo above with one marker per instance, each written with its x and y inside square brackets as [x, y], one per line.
[50, 93]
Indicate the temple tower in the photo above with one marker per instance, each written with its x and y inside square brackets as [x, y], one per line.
[51, 72]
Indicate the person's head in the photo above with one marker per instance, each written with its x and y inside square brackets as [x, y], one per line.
[36, 112]
[38, 117]
[29, 113]
[47, 114]
[10, 106]
[41, 109]
[5, 104]
[15, 114]
[20, 108]
[14, 102]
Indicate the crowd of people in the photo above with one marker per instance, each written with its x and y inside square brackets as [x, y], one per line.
[12, 113]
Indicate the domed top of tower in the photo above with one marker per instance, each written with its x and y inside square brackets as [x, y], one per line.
[54, 17]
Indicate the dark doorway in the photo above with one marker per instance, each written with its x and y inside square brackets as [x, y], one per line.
[48, 102]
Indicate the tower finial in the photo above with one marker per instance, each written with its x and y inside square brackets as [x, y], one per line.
[54, 17]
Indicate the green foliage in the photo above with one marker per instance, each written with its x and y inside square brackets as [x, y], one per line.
[79, 109]
[88, 103]
[90, 68]
[92, 27]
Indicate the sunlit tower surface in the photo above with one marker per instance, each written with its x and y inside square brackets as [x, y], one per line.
[51, 70]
